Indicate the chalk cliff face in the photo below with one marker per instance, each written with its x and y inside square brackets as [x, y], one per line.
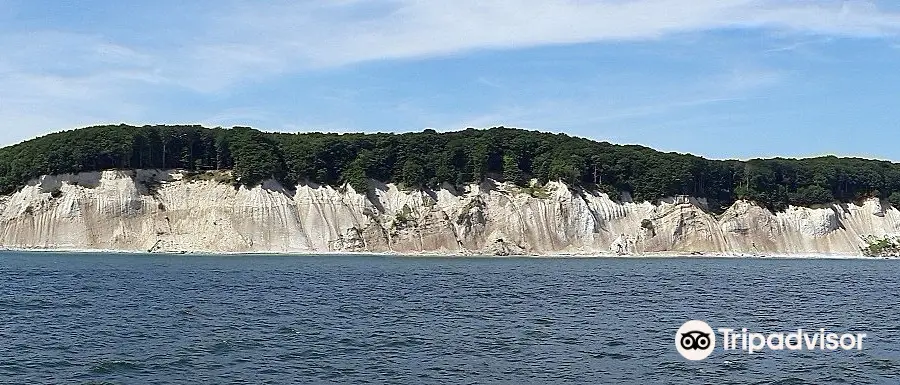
[161, 211]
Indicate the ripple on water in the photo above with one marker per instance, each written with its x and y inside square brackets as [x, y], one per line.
[223, 346]
[287, 330]
[167, 363]
[786, 381]
[11, 367]
[612, 356]
[114, 366]
[734, 366]
[884, 365]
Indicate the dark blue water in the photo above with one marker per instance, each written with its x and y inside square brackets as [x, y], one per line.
[141, 319]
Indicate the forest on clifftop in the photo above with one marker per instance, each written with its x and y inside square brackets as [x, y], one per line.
[427, 159]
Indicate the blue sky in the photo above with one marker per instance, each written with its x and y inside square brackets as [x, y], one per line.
[718, 78]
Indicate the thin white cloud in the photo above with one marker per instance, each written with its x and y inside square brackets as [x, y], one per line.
[745, 79]
[568, 114]
[303, 34]
[54, 80]
[250, 40]
[796, 45]
[488, 82]
[604, 110]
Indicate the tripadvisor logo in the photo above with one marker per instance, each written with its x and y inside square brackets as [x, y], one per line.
[695, 340]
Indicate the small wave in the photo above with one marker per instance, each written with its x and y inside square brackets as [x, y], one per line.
[287, 330]
[179, 363]
[27, 304]
[168, 363]
[403, 342]
[221, 346]
[882, 364]
[786, 381]
[11, 366]
[308, 354]
[540, 334]
[191, 311]
[114, 366]
[614, 356]
[734, 366]
[674, 366]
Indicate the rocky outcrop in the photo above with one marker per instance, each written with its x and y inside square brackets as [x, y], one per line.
[152, 210]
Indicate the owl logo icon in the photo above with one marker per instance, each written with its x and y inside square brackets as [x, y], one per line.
[695, 340]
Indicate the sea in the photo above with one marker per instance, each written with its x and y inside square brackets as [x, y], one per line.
[99, 318]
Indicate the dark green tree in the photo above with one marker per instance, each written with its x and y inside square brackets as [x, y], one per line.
[894, 199]
[511, 171]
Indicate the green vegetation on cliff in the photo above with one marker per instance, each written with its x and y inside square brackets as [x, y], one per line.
[882, 247]
[427, 159]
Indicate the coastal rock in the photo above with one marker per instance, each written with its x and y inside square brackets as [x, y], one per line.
[163, 210]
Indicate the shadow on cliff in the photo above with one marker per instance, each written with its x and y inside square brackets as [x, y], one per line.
[51, 184]
[273, 185]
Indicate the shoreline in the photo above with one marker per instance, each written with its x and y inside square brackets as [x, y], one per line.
[598, 255]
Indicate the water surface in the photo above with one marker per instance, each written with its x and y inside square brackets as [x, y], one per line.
[151, 319]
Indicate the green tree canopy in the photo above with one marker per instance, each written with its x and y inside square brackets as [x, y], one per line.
[428, 158]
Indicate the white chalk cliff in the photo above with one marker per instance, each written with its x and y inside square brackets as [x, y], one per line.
[160, 211]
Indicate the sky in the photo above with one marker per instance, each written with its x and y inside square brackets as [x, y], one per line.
[716, 78]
